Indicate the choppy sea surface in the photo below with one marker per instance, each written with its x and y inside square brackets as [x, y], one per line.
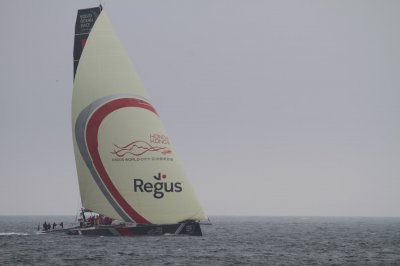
[228, 241]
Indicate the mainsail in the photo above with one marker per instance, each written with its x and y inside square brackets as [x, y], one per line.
[127, 168]
[84, 23]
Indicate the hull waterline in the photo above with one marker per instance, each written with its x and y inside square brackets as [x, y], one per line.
[185, 228]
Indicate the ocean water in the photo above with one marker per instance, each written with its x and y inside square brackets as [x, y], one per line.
[228, 241]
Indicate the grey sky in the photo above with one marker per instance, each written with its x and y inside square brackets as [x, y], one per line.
[275, 107]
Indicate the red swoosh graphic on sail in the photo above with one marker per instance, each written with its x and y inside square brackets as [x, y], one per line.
[138, 148]
[92, 130]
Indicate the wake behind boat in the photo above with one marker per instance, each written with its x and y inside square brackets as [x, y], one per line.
[127, 167]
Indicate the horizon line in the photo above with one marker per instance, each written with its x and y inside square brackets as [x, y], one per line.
[243, 215]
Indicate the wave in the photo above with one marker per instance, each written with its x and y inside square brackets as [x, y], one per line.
[138, 148]
[13, 234]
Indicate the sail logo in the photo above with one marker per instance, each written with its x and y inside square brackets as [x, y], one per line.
[158, 188]
[86, 20]
[159, 139]
[139, 147]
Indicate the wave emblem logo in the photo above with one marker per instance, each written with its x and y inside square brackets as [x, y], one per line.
[138, 148]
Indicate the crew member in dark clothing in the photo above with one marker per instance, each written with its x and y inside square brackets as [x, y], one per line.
[62, 225]
[54, 225]
[45, 226]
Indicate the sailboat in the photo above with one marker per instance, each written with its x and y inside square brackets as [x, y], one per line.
[127, 168]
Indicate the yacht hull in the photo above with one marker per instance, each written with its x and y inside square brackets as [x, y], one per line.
[185, 228]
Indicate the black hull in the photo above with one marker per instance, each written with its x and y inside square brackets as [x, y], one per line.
[185, 228]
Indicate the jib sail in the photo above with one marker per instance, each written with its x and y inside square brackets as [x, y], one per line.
[127, 167]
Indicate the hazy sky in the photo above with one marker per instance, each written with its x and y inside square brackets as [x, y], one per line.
[274, 107]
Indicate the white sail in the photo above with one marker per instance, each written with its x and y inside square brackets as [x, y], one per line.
[127, 167]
